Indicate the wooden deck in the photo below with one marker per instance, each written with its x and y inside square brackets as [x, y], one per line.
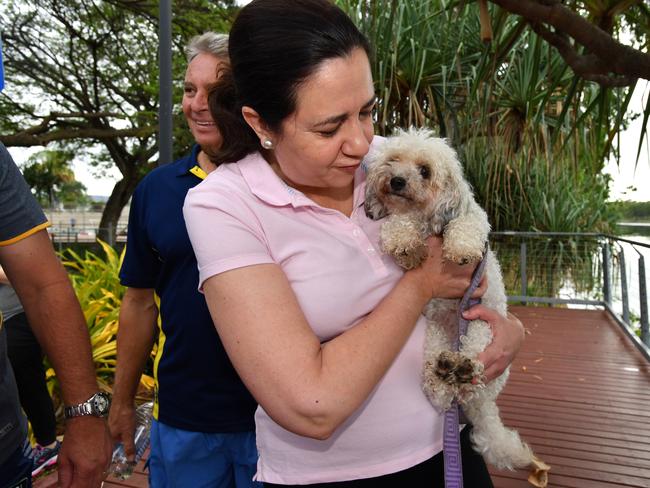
[579, 393]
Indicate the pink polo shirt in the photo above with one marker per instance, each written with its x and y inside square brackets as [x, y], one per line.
[243, 214]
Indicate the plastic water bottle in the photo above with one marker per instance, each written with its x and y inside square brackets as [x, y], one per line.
[121, 467]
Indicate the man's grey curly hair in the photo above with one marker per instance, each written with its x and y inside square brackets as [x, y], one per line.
[208, 43]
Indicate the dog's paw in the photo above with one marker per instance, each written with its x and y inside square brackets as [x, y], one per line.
[404, 239]
[445, 367]
[465, 369]
[454, 368]
[460, 254]
[460, 246]
[409, 258]
[439, 393]
[464, 238]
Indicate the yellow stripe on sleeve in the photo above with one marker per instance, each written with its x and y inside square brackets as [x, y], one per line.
[26, 234]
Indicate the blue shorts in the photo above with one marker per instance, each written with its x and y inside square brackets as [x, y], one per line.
[16, 472]
[181, 458]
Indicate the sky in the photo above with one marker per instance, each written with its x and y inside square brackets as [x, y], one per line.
[627, 175]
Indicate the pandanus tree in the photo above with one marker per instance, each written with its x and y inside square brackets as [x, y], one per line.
[533, 110]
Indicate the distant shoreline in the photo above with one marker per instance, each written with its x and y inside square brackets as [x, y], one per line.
[634, 224]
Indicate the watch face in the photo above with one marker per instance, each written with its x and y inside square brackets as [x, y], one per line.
[101, 403]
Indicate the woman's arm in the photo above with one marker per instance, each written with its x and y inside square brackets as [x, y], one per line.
[307, 387]
[507, 338]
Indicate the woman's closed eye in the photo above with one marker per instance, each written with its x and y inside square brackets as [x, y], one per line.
[368, 112]
[329, 133]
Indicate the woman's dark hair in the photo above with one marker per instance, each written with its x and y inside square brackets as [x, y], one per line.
[274, 46]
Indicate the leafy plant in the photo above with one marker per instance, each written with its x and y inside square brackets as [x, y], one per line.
[532, 134]
[96, 283]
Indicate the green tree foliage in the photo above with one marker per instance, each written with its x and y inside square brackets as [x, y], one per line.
[84, 73]
[96, 283]
[52, 181]
[632, 211]
[533, 135]
[538, 105]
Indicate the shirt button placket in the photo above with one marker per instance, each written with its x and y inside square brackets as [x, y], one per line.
[366, 245]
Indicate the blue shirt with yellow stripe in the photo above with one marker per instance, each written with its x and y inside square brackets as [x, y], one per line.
[197, 387]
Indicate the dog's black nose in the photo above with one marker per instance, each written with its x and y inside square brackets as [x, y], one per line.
[397, 183]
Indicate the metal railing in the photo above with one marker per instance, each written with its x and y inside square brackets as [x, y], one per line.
[579, 269]
[80, 226]
[571, 269]
[83, 234]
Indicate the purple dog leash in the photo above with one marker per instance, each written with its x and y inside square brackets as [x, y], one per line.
[451, 432]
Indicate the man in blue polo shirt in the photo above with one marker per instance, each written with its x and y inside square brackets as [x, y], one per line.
[203, 432]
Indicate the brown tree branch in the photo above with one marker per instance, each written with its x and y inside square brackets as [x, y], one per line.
[40, 136]
[618, 58]
[486, 24]
[587, 66]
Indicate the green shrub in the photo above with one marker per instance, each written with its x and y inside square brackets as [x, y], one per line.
[97, 286]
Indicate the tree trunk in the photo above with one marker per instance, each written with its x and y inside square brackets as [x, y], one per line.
[120, 195]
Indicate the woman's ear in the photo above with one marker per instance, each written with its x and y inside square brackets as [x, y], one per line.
[256, 123]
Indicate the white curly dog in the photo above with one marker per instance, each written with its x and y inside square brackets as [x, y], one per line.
[416, 181]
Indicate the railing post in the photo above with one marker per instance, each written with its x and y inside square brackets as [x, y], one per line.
[643, 297]
[607, 280]
[522, 268]
[624, 292]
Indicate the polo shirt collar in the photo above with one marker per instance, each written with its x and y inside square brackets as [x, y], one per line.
[190, 164]
[269, 187]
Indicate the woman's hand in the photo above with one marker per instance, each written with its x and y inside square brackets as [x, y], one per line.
[440, 278]
[508, 336]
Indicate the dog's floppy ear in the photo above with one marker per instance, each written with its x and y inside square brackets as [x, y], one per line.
[374, 209]
[451, 205]
[456, 194]
[446, 210]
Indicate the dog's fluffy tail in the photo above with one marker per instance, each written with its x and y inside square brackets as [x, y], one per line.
[500, 446]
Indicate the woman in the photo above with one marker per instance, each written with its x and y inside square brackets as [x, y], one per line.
[324, 330]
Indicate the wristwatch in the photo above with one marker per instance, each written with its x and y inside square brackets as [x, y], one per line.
[97, 406]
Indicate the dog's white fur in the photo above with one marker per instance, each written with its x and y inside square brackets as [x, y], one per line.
[416, 180]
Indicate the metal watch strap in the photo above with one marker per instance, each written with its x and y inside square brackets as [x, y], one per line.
[97, 406]
[78, 410]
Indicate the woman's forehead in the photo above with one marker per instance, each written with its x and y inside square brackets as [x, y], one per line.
[343, 83]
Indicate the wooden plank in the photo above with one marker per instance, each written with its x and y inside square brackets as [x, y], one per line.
[578, 392]
[517, 479]
[136, 480]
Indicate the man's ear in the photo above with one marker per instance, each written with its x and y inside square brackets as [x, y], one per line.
[256, 123]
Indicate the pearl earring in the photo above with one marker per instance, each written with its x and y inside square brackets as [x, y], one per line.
[267, 144]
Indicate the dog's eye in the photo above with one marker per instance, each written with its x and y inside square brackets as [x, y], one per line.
[425, 172]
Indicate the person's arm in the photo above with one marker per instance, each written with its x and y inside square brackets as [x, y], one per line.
[54, 313]
[135, 338]
[507, 338]
[307, 387]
